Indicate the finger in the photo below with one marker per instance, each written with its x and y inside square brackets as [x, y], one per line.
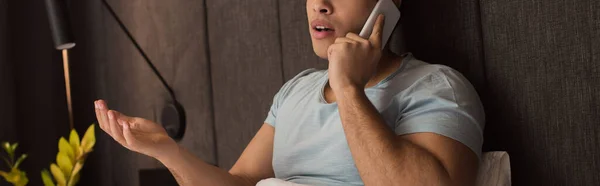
[330, 50]
[375, 38]
[334, 47]
[344, 40]
[356, 37]
[102, 109]
[101, 123]
[116, 130]
[127, 119]
[129, 138]
[98, 116]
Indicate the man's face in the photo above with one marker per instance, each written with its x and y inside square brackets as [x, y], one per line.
[330, 19]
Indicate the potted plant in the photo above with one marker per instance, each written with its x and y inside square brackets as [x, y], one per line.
[15, 176]
[70, 159]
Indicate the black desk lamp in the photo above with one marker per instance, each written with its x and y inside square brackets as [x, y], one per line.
[63, 40]
[173, 114]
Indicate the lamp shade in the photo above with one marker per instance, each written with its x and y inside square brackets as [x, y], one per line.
[59, 24]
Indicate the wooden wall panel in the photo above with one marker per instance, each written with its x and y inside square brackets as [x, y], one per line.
[296, 46]
[87, 62]
[128, 86]
[7, 86]
[445, 32]
[245, 57]
[172, 34]
[543, 73]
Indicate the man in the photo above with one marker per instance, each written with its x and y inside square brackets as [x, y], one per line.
[374, 118]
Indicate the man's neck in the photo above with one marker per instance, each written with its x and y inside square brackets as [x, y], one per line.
[387, 65]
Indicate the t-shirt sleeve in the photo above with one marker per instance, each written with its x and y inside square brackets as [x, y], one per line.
[274, 107]
[280, 96]
[445, 103]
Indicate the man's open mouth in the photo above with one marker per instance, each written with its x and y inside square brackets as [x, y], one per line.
[323, 29]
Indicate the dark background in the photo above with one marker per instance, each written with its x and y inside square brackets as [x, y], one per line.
[535, 64]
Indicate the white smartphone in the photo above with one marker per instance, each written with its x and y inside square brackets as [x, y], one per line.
[392, 16]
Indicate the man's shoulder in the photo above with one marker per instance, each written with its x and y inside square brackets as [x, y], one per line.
[304, 80]
[419, 78]
[310, 73]
[419, 69]
[307, 76]
[414, 72]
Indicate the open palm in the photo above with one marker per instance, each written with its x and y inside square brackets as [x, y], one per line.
[134, 133]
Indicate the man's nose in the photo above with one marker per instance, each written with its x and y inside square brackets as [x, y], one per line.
[322, 6]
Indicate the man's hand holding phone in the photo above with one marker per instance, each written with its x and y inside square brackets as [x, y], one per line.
[353, 60]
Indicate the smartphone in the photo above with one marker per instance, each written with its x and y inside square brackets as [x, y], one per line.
[391, 15]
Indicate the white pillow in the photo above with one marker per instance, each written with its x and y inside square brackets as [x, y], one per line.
[494, 169]
[276, 182]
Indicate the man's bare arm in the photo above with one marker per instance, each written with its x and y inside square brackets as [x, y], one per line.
[383, 158]
[253, 165]
[190, 170]
[149, 138]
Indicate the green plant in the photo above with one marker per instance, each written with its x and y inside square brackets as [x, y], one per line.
[15, 176]
[70, 159]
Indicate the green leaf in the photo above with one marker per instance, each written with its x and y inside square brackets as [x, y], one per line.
[78, 166]
[75, 174]
[12, 177]
[14, 147]
[73, 181]
[19, 161]
[17, 177]
[22, 180]
[74, 141]
[46, 178]
[65, 147]
[8, 148]
[65, 164]
[58, 175]
[4, 175]
[89, 139]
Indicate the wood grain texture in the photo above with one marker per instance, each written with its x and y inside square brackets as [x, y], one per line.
[246, 70]
[130, 87]
[297, 51]
[446, 32]
[186, 50]
[542, 70]
[7, 86]
[87, 64]
[173, 35]
[173, 38]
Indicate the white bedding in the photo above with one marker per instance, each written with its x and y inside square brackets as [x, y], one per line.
[276, 182]
[494, 169]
